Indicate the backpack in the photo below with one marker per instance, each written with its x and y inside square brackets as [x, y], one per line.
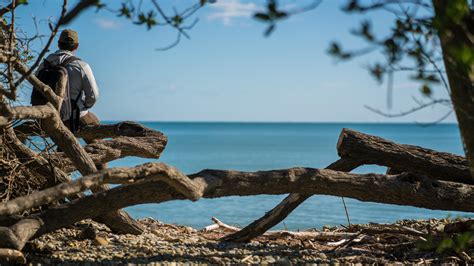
[51, 74]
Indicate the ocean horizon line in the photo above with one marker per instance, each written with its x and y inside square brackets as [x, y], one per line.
[283, 122]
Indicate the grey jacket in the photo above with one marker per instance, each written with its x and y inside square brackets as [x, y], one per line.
[81, 80]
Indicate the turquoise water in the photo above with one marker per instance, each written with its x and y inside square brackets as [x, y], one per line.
[260, 146]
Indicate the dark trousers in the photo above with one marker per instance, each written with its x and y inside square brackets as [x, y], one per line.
[90, 119]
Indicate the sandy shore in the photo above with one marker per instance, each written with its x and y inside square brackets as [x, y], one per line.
[93, 244]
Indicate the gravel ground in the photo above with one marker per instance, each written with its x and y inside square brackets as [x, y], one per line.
[93, 244]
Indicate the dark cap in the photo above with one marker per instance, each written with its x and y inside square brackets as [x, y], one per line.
[69, 36]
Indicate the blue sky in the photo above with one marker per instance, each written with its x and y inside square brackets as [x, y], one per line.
[228, 71]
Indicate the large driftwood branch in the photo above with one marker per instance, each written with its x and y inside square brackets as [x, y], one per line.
[118, 220]
[404, 158]
[129, 139]
[104, 151]
[282, 210]
[11, 256]
[366, 149]
[150, 171]
[403, 189]
[25, 112]
[122, 129]
[17, 235]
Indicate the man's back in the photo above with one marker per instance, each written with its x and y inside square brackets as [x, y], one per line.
[81, 80]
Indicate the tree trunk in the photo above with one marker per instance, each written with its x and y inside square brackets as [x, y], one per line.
[359, 148]
[457, 42]
[403, 189]
[283, 209]
[118, 221]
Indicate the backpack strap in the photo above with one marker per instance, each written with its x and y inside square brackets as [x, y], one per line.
[46, 63]
[69, 60]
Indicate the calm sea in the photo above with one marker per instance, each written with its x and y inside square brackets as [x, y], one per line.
[260, 146]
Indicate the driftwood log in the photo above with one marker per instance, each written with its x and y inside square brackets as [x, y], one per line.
[403, 189]
[11, 256]
[158, 182]
[282, 210]
[366, 149]
[403, 158]
[48, 117]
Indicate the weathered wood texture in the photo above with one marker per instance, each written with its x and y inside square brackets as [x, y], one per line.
[11, 257]
[407, 158]
[281, 233]
[366, 149]
[103, 151]
[118, 220]
[18, 234]
[26, 112]
[122, 129]
[283, 209]
[130, 139]
[403, 189]
[151, 171]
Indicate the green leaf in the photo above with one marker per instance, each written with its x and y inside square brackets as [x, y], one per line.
[377, 72]
[272, 6]
[177, 20]
[125, 11]
[446, 243]
[352, 6]
[280, 15]
[426, 90]
[432, 78]
[262, 16]
[334, 49]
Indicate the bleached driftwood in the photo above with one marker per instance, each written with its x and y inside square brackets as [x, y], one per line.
[11, 256]
[402, 157]
[282, 210]
[366, 149]
[403, 189]
[281, 233]
[155, 171]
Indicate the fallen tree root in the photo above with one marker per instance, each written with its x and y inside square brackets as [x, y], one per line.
[403, 189]
[122, 129]
[11, 256]
[282, 210]
[403, 158]
[366, 149]
[17, 235]
[148, 143]
[156, 171]
[104, 151]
